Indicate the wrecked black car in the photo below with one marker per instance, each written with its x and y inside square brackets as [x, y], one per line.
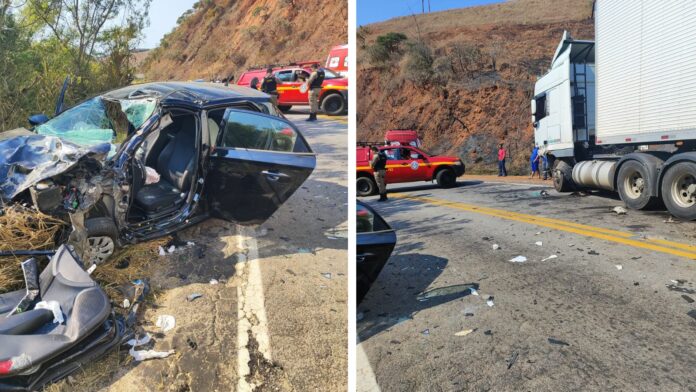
[148, 160]
[374, 244]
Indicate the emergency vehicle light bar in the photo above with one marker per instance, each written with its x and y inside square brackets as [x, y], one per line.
[290, 64]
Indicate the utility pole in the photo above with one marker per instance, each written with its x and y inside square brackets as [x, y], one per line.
[428, 6]
[422, 6]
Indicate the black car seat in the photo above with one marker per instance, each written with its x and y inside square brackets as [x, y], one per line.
[175, 165]
[31, 338]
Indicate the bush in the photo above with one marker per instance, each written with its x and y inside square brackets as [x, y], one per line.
[418, 66]
[466, 59]
[386, 48]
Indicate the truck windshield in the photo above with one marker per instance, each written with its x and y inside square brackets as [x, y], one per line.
[99, 120]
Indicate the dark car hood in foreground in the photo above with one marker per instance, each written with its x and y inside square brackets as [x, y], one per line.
[29, 158]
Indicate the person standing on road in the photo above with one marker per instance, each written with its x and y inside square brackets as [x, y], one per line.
[269, 85]
[502, 172]
[534, 161]
[543, 156]
[316, 79]
[379, 166]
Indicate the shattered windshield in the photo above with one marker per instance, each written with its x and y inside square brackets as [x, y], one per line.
[99, 120]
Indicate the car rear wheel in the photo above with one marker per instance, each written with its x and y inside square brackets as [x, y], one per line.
[284, 108]
[333, 104]
[633, 183]
[102, 237]
[679, 190]
[365, 186]
[446, 178]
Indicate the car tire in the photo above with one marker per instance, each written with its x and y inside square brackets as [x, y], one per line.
[333, 104]
[677, 190]
[633, 182]
[562, 176]
[102, 239]
[365, 186]
[284, 108]
[446, 178]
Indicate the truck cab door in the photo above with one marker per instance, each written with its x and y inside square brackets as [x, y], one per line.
[257, 163]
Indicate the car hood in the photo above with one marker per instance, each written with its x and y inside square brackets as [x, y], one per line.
[27, 158]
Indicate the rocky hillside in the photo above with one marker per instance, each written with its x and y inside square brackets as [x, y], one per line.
[464, 78]
[218, 38]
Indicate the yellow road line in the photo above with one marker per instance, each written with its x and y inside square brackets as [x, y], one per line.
[658, 245]
[333, 118]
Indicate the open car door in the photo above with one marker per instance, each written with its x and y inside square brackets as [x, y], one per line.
[258, 162]
[375, 243]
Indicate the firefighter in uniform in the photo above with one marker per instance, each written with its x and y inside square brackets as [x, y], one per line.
[379, 166]
[316, 79]
[270, 86]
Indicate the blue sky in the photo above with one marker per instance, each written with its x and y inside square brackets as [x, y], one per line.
[163, 16]
[370, 11]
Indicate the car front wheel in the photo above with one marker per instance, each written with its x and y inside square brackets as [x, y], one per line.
[446, 178]
[333, 104]
[102, 237]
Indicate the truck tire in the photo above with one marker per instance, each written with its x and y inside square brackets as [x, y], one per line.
[102, 238]
[284, 108]
[446, 178]
[679, 190]
[333, 104]
[633, 184]
[365, 186]
[562, 176]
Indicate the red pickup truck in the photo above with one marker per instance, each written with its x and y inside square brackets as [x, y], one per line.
[333, 99]
[406, 164]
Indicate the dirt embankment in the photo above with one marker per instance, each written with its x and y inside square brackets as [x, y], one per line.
[462, 114]
[224, 37]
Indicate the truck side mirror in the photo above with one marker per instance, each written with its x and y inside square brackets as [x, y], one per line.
[37, 119]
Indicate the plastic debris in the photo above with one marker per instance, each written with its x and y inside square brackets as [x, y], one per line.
[140, 342]
[512, 359]
[193, 297]
[620, 210]
[161, 251]
[151, 175]
[190, 243]
[593, 252]
[214, 281]
[488, 332]
[126, 304]
[166, 322]
[619, 267]
[473, 291]
[559, 342]
[149, 354]
[171, 249]
[537, 233]
[489, 301]
[91, 269]
[327, 275]
[539, 243]
[496, 246]
[426, 332]
[518, 259]
[550, 258]
[464, 332]
[53, 306]
[459, 289]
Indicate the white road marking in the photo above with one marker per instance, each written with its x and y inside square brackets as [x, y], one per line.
[250, 307]
[365, 377]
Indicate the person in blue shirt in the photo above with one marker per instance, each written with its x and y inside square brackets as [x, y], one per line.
[534, 161]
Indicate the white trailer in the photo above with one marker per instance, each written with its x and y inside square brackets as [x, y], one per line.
[619, 113]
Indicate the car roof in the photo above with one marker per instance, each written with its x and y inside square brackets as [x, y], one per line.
[190, 93]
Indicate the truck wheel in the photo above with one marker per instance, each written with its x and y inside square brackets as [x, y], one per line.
[333, 104]
[446, 178]
[633, 183]
[284, 108]
[562, 176]
[679, 190]
[365, 186]
[102, 237]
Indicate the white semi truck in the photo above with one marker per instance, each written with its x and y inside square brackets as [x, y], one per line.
[619, 113]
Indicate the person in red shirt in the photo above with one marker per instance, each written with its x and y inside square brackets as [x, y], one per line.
[502, 172]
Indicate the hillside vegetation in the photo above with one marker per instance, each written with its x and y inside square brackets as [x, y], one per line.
[218, 38]
[463, 78]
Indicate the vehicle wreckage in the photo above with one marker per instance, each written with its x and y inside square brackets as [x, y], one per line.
[127, 166]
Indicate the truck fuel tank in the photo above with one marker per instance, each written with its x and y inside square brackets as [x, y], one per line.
[595, 174]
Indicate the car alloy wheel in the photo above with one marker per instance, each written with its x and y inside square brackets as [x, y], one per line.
[100, 249]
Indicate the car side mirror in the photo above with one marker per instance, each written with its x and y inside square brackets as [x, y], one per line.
[37, 119]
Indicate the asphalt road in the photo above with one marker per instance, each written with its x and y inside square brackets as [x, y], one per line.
[604, 314]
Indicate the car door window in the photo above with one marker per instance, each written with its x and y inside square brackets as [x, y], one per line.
[285, 76]
[257, 131]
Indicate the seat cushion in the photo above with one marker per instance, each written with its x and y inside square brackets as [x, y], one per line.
[158, 196]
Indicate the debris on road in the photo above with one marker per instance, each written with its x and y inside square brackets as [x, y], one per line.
[692, 313]
[489, 301]
[688, 299]
[426, 332]
[558, 342]
[619, 267]
[543, 194]
[539, 243]
[473, 291]
[593, 253]
[458, 289]
[149, 354]
[327, 275]
[91, 269]
[550, 258]
[193, 297]
[165, 322]
[161, 251]
[513, 358]
[214, 281]
[53, 306]
[496, 246]
[135, 342]
[464, 332]
[518, 259]
[488, 332]
[620, 210]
